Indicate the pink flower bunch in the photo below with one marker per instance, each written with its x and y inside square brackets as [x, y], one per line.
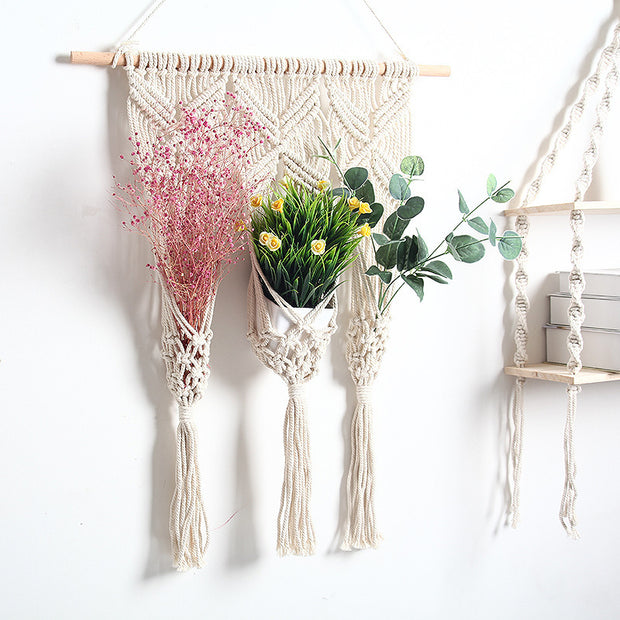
[189, 198]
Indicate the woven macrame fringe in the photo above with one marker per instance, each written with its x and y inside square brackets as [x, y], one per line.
[295, 529]
[517, 447]
[360, 527]
[188, 520]
[569, 497]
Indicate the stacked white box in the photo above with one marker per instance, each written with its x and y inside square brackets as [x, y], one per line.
[601, 328]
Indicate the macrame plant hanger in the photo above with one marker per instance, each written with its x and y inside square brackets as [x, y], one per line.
[574, 375]
[368, 111]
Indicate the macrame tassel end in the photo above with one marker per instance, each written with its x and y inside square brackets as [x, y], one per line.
[295, 529]
[188, 520]
[361, 529]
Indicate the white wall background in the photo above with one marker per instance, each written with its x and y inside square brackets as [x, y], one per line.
[87, 440]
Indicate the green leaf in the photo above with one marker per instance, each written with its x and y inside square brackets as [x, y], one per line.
[386, 276]
[380, 239]
[399, 190]
[422, 249]
[394, 227]
[503, 195]
[479, 225]
[375, 216]
[492, 233]
[435, 278]
[411, 208]
[509, 245]
[387, 255]
[463, 208]
[342, 191]
[491, 184]
[440, 268]
[466, 248]
[412, 166]
[449, 237]
[417, 284]
[356, 177]
[407, 254]
[366, 193]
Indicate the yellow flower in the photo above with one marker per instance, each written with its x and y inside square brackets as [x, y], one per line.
[323, 185]
[264, 237]
[284, 181]
[354, 203]
[318, 246]
[278, 205]
[365, 208]
[239, 225]
[364, 230]
[274, 243]
[256, 201]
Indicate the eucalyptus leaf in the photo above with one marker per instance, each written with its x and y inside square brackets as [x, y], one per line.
[342, 191]
[411, 208]
[356, 177]
[412, 166]
[440, 268]
[386, 276]
[491, 184]
[366, 193]
[387, 255]
[466, 248]
[492, 233]
[394, 227]
[463, 208]
[380, 239]
[503, 195]
[435, 278]
[399, 190]
[376, 215]
[417, 284]
[407, 254]
[479, 225]
[509, 245]
[422, 249]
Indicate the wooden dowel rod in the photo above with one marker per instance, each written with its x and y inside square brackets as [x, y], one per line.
[104, 59]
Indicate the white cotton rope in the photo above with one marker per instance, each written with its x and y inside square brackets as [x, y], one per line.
[185, 352]
[294, 356]
[366, 341]
[607, 67]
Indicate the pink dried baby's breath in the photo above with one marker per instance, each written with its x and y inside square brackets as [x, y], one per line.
[189, 199]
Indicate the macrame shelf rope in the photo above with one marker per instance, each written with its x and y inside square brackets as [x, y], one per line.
[605, 73]
[290, 65]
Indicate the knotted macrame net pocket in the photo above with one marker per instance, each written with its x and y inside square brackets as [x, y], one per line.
[185, 352]
[293, 355]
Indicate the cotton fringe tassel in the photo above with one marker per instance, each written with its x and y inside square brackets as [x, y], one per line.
[185, 352]
[517, 447]
[295, 529]
[361, 528]
[189, 532]
[569, 497]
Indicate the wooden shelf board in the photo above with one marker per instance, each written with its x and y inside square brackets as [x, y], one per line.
[558, 372]
[589, 206]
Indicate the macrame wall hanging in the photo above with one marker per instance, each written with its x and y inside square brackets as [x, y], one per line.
[368, 109]
[605, 76]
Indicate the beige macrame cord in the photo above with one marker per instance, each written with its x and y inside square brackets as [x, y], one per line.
[294, 356]
[185, 352]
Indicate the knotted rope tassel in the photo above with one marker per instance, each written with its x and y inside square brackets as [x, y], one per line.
[569, 497]
[517, 442]
[361, 529]
[295, 530]
[188, 520]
